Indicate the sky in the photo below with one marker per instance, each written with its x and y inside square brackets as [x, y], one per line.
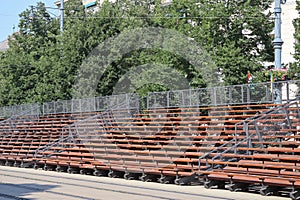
[9, 14]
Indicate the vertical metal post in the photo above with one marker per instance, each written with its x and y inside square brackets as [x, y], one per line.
[155, 101]
[248, 93]
[72, 105]
[80, 106]
[230, 95]
[190, 93]
[197, 97]
[278, 46]
[128, 102]
[246, 129]
[288, 117]
[63, 106]
[214, 96]
[235, 137]
[54, 112]
[242, 91]
[267, 92]
[259, 135]
[62, 13]
[287, 91]
[168, 99]
[147, 101]
[277, 41]
[95, 104]
[182, 96]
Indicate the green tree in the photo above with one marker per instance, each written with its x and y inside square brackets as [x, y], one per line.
[21, 64]
[128, 15]
[42, 63]
[294, 70]
[236, 33]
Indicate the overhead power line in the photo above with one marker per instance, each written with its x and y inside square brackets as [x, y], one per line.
[148, 17]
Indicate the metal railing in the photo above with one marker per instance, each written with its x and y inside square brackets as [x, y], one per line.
[38, 153]
[79, 131]
[23, 109]
[226, 95]
[287, 116]
[91, 104]
[274, 125]
[242, 128]
[8, 125]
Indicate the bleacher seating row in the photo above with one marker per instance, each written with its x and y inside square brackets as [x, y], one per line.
[234, 146]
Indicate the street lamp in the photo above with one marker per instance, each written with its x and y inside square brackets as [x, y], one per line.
[62, 13]
[278, 41]
[278, 46]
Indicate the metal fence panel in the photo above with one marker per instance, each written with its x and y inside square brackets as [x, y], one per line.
[258, 93]
[100, 103]
[173, 99]
[122, 101]
[159, 100]
[88, 105]
[204, 97]
[26, 109]
[235, 94]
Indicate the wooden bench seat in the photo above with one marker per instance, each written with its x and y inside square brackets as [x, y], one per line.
[215, 107]
[149, 168]
[145, 117]
[266, 157]
[277, 150]
[252, 179]
[254, 165]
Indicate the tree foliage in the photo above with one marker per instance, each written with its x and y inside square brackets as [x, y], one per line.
[294, 70]
[42, 64]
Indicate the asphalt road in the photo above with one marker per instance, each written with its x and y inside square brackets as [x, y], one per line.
[25, 184]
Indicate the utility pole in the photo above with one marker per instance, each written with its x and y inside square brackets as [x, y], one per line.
[62, 13]
[278, 41]
[278, 46]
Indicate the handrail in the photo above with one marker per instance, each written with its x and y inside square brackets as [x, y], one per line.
[248, 136]
[9, 111]
[234, 146]
[63, 138]
[9, 120]
[36, 106]
[264, 115]
[272, 111]
[222, 95]
[69, 136]
[102, 102]
[212, 151]
[49, 145]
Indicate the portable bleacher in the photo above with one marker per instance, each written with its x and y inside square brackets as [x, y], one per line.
[241, 146]
[264, 152]
[162, 144]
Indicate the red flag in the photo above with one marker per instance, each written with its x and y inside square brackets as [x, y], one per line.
[249, 77]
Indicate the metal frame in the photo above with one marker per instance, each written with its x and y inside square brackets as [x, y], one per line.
[226, 95]
[233, 144]
[20, 110]
[124, 101]
[7, 126]
[281, 109]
